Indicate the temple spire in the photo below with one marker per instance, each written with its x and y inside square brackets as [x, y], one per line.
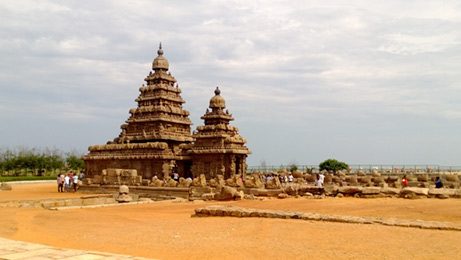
[160, 51]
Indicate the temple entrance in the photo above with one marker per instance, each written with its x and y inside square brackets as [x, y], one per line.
[187, 169]
[237, 165]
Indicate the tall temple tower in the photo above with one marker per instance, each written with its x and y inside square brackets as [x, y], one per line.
[218, 148]
[156, 135]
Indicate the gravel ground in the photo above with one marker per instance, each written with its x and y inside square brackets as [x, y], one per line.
[165, 230]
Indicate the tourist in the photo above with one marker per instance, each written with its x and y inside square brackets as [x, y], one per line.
[438, 183]
[66, 182]
[60, 184]
[81, 175]
[318, 182]
[290, 178]
[321, 178]
[75, 180]
[71, 175]
[404, 181]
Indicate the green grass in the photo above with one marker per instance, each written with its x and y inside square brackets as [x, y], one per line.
[26, 178]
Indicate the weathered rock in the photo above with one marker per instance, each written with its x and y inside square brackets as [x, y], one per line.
[156, 182]
[298, 174]
[441, 193]
[413, 192]
[199, 181]
[5, 186]
[123, 195]
[273, 183]
[452, 178]
[350, 190]
[170, 183]
[208, 196]
[371, 190]
[184, 183]
[292, 189]
[282, 196]
[390, 191]
[228, 193]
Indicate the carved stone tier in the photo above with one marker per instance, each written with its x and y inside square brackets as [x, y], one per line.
[218, 148]
[156, 139]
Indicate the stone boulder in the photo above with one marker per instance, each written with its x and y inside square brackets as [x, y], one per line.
[5, 186]
[156, 182]
[371, 191]
[298, 174]
[441, 193]
[282, 196]
[199, 181]
[452, 178]
[330, 189]
[273, 183]
[184, 183]
[423, 178]
[350, 190]
[351, 180]
[291, 189]
[235, 181]
[414, 192]
[228, 193]
[170, 183]
[254, 182]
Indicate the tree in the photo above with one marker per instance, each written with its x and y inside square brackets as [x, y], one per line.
[75, 162]
[333, 165]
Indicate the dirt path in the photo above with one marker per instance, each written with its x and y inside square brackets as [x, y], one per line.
[165, 230]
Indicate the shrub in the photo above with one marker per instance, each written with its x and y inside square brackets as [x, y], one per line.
[333, 165]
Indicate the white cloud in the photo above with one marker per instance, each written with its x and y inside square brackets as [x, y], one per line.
[303, 79]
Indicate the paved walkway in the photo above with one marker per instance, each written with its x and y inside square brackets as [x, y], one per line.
[15, 250]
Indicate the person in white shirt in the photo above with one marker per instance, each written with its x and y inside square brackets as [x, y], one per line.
[75, 181]
[321, 178]
[66, 183]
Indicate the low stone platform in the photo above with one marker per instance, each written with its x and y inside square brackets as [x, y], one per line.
[17, 250]
[231, 211]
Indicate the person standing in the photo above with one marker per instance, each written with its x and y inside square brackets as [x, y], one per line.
[321, 178]
[60, 183]
[75, 181]
[80, 177]
[66, 182]
[318, 182]
[438, 183]
[404, 181]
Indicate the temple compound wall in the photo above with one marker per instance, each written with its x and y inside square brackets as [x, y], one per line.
[156, 139]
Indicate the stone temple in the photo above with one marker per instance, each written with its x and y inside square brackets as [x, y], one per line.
[157, 141]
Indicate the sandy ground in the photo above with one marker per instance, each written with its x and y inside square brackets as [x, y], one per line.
[165, 230]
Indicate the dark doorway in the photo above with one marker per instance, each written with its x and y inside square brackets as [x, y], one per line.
[237, 165]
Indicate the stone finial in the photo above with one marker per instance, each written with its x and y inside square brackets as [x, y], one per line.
[217, 91]
[160, 51]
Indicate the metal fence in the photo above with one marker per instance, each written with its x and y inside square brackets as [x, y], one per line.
[383, 168]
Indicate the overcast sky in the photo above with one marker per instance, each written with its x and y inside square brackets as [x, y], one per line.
[364, 82]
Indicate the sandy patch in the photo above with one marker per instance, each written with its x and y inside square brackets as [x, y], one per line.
[165, 230]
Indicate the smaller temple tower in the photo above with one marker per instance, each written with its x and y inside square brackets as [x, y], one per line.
[218, 148]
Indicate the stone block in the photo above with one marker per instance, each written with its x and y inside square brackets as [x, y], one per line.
[350, 190]
[371, 190]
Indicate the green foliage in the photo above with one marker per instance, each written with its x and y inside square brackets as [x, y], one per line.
[25, 178]
[333, 165]
[75, 162]
[293, 168]
[24, 161]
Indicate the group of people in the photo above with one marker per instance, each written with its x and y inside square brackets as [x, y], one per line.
[438, 182]
[65, 183]
[320, 177]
